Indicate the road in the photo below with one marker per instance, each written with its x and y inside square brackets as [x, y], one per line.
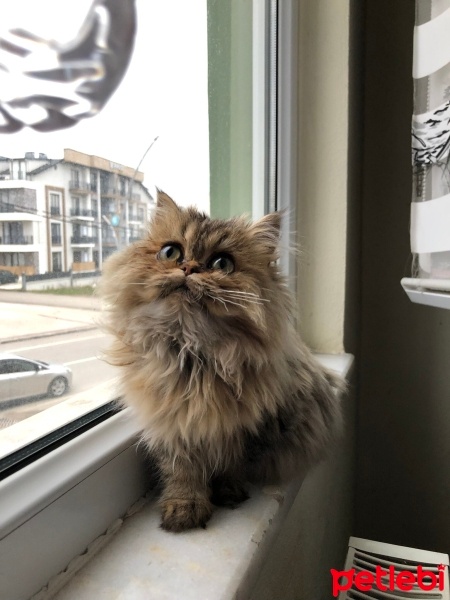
[81, 351]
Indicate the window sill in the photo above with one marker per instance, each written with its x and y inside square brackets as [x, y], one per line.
[136, 559]
[51, 509]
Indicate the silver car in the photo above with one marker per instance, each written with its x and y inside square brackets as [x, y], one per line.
[23, 377]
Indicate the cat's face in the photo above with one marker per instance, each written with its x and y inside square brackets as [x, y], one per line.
[218, 275]
[188, 259]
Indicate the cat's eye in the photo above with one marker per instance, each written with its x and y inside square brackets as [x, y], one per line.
[170, 252]
[223, 263]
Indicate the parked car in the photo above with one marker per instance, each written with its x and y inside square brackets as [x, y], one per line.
[7, 277]
[23, 377]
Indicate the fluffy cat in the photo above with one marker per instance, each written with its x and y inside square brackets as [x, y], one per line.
[223, 387]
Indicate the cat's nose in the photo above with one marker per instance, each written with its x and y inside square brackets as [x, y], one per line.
[189, 267]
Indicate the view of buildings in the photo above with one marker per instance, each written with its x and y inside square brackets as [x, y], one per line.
[68, 214]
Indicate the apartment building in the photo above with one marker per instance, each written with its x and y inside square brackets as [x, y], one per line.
[68, 214]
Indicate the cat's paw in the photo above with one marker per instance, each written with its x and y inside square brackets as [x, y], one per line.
[181, 514]
[228, 492]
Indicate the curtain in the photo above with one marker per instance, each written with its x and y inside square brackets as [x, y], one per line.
[430, 207]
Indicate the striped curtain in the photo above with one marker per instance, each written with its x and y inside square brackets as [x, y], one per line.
[430, 208]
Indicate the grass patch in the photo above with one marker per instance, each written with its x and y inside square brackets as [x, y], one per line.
[85, 290]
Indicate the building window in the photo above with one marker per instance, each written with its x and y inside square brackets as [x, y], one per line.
[14, 259]
[93, 181]
[75, 177]
[55, 204]
[80, 256]
[105, 183]
[56, 233]
[56, 262]
[12, 233]
[122, 186]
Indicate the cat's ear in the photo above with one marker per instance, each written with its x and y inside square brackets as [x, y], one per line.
[267, 231]
[165, 202]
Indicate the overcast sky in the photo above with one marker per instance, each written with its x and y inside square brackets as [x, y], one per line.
[164, 93]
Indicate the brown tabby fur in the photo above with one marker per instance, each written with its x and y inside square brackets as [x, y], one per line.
[224, 389]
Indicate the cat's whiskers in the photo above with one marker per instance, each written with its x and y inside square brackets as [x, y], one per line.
[248, 300]
[251, 300]
[214, 298]
[248, 296]
[234, 298]
[227, 301]
[240, 292]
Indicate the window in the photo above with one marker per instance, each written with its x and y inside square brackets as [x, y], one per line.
[55, 204]
[75, 178]
[14, 259]
[219, 142]
[13, 233]
[122, 186]
[56, 261]
[216, 136]
[76, 204]
[16, 366]
[56, 233]
[430, 207]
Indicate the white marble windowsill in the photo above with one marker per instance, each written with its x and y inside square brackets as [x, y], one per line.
[136, 560]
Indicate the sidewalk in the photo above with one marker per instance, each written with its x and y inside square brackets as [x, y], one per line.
[78, 302]
[24, 315]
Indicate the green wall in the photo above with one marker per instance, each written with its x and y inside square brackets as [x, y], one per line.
[230, 106]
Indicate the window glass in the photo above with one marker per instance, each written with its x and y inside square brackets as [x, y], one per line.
[182, 119]
[21, 366]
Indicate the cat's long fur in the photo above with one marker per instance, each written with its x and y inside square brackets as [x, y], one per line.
[222, 385]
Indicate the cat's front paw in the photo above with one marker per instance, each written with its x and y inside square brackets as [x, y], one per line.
[181, 514]
[228, 492]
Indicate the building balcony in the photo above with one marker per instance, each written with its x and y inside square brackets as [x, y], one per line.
[82, 267]
[136, 218]
[83, 213]
[56, 240]
[23, 269]
[81, 187]
[109, 241]
[8, 207]
[109, 191]
[16, 240]
[83, 240]
[55, 211]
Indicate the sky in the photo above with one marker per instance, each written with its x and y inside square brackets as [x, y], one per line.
[163, 93]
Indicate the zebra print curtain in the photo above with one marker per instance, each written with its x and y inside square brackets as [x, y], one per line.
[430, 208]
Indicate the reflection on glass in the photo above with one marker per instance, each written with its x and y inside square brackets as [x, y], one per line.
[56, 71]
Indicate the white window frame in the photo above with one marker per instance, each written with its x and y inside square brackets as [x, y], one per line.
[431, 292]
[65, 499]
